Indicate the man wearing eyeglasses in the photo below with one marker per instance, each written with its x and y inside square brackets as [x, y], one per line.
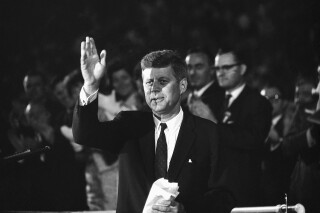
[245, 123]
[276, 166]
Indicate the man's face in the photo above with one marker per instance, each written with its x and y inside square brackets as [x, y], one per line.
[274, 96]
[303, 93]
[34, 87]
[162, 90]
[61, 94]
[199, 69]
[36, 115]
[229, 72]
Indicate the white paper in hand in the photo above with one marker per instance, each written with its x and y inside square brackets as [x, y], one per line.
[161, 189]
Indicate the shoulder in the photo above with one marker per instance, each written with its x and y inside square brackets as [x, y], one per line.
[198, 123]
[253, 95]
[137, 115]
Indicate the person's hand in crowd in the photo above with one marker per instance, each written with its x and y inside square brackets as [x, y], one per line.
[198, 108]
[168, 206]
[275, 139]
[92, 66]
[67, 133]
[22, 143]
[43, 128]
[273, 135]
[17, 141]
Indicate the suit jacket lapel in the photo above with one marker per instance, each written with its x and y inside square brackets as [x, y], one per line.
[238, 100]
[183, 145]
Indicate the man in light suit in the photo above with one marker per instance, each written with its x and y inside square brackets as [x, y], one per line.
[191, 142]
[243, 128]
[206, 95]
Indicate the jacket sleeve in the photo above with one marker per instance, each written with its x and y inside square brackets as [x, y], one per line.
[108, 135]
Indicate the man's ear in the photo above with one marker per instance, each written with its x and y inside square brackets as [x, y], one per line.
[243, 69]
[183, 85]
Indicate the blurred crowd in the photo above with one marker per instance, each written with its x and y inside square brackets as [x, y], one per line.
[39, 106]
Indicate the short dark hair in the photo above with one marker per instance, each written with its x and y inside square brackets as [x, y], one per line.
[201, 50]
[165, 58]
[33, 73]
[72, 79]
[115, 65]
[237, 51]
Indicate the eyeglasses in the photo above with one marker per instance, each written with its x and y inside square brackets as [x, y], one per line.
[273, 98]
[225, 68]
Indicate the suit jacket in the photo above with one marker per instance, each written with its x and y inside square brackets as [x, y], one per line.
[242, 138]
[213, 97]
[131, 135]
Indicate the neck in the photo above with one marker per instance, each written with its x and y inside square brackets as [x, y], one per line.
[167, 117]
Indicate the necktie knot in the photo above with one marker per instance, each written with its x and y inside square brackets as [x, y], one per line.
[163, 126]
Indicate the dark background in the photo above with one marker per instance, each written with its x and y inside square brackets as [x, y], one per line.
[282, 36]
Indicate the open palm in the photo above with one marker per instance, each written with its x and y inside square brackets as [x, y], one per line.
[92, 66]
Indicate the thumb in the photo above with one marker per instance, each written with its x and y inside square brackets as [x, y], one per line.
[103, 56]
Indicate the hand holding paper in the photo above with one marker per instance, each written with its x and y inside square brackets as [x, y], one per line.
[162, 193]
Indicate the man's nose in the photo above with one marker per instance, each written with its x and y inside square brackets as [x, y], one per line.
[155, 87]
[219, 74]
[191, 71]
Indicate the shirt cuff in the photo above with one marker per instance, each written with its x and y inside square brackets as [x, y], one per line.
[85, 98]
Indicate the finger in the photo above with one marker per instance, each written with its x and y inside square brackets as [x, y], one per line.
[164, 202]
[103, 56]
[93, 46]
[160, 208]
[83, 50]
[174, 203]
[88, 46]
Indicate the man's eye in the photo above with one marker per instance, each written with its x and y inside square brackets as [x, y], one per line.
[199, 66]
[163, 82]
[148, 83]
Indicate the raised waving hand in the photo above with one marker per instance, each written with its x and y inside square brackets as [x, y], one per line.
[93, 66]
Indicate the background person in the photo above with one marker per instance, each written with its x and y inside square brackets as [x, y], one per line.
[243, 128]
[206, 94]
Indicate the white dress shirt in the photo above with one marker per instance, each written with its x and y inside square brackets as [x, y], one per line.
[235, 93]
[171, 133]
[86, 98]
[199, 92]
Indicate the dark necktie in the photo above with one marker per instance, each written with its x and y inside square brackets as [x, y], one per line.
[161, 154]
[226, 102]
[224, 114]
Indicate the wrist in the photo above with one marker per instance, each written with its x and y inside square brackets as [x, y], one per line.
[90, 88]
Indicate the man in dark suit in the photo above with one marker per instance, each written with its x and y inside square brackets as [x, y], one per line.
[206, 95]
[243, 128]
[163, 143]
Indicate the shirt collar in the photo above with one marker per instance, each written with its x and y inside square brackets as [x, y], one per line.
[235, 93]
[173, 123]
[199, 92]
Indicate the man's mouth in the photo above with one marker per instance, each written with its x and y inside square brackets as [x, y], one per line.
[159, 99]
